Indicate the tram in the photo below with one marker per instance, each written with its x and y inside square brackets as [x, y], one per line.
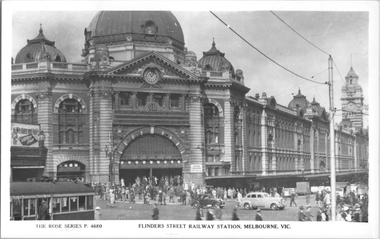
[65, 200]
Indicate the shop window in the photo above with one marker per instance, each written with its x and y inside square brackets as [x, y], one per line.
[65, 204]
[73, 204]
[56, 205]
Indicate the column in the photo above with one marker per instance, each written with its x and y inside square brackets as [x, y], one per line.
[45, 119]
[355, 154]
[134, 100]
[117, 106]
[229, 134]
[196, 139]
[264, 143]
[311, 146]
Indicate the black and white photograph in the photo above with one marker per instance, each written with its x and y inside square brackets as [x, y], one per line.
[261, 117]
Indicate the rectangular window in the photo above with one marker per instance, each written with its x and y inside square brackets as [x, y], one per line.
[209, 158]
[32, 207]
[65, 204]
[159, 99]
[142, 99]
[82, 202]
[56, 204]
[90, 202]
[216, 171]
[174, 100]
[26, 207]
[124, 98]
[73, 204]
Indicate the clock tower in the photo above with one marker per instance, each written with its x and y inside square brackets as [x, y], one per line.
[352, 100]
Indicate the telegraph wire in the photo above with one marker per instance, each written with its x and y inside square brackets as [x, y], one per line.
[299, 85]
[299, 34]
[338, 71]
[264, 54]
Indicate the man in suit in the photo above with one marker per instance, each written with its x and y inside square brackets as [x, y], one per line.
[43, 211]
[258, 215]
[155, 212]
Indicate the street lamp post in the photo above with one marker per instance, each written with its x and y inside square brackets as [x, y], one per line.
[110, 154]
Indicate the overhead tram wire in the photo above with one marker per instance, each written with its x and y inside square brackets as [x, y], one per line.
[299, 34]
[338, 72]
[264, 54]
[298, 85]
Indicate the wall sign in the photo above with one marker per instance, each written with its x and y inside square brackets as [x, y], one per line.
[196, 168]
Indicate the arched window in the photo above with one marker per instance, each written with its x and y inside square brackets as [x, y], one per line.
[25, 112]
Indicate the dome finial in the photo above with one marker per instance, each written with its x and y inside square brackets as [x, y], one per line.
[41, 31]
[299, 90]
[213, 42]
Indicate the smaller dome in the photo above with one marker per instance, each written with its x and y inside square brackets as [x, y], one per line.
[39, 48]
[190, 56]
[351, 73]
[214, 60]
[298, 101]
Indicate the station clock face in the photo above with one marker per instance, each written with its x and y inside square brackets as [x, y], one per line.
[351, 107]
[151, 76]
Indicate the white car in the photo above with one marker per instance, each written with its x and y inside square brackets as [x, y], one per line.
[262, 200]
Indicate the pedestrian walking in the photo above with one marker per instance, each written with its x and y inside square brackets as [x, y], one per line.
[199, 214]
[308, 199]
[209, 214]
[258, 215]
[218, 213]
[98, 214]
[155, 212]
[292, 198]
[43, 211]
[234, 215]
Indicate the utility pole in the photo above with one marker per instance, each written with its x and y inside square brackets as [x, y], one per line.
[332, 141]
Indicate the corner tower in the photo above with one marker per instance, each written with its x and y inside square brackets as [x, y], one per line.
[352, 100]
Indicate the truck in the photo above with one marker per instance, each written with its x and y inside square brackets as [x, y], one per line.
[302, 188]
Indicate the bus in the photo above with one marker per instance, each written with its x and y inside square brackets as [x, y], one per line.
[65, 200]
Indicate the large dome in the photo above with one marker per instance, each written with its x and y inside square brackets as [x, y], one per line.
[213, 60]
[107, 23]
[39, 48]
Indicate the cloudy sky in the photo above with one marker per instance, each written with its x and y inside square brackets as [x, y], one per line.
[343, 34]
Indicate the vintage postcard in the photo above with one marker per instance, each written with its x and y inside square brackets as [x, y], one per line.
[190, 119]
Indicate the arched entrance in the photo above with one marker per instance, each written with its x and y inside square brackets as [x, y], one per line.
[151, 156]
[70, 170]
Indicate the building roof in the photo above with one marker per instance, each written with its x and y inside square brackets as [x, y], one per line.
[38, 49]
[106, 23]
[48, 188]
[298, 101]
[214, 60]
[351, 72]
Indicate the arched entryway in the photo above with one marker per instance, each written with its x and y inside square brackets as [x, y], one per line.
[151, 156]
[71, 170]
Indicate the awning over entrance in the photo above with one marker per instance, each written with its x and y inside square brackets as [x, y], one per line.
[148, 166]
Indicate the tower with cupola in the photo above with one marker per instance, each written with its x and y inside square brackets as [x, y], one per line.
[352, 100]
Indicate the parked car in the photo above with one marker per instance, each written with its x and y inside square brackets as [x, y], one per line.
[203, 200]
[262, 200]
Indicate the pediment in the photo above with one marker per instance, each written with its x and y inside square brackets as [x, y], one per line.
[151, 65]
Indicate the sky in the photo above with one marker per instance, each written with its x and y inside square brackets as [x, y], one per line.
[342, 34]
